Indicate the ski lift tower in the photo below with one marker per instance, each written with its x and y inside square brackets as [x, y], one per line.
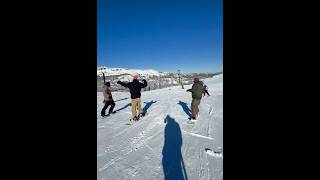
[104, 78]
[180, 82]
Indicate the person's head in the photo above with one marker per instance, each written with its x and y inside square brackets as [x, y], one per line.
[195, 79]
[135, 75]
[107, 84]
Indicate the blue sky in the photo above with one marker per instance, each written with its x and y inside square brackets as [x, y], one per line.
[164, 35]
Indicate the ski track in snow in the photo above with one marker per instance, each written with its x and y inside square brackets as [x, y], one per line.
[119, 143]
[135, 143]
[198, 135]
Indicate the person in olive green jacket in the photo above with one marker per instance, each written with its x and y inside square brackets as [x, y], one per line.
[197, 91]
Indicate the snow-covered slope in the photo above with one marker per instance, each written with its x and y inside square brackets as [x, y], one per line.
[162, 145]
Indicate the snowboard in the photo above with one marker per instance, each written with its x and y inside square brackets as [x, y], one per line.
[139, 117]
[192, 121]
[107, 115]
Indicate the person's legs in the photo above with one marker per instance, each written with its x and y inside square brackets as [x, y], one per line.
[207, 93]
[194, 107]
[134, 103]
[112, 106]
[103, 111]
[140, 110]
[197, 106]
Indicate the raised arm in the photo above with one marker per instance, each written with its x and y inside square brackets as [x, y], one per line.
[123, 84]
[144, 84]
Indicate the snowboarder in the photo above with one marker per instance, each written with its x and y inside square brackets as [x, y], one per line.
[205, 90]
[107, 100]
[135, 92]
[197, 91]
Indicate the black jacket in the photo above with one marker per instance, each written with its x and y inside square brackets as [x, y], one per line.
[135, 87]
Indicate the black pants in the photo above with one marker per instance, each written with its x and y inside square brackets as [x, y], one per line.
[106, 105]
[206, 92]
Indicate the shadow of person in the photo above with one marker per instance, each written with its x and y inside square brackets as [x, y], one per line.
[147, 106]
[185, 108]
[121, 99]
[172, 160]
[129, 104]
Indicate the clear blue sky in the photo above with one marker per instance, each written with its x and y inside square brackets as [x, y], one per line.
[164, 35]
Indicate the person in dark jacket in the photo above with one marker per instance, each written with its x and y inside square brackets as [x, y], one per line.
[135, 92]
[197, 91]
[205, 90]
[107, 100]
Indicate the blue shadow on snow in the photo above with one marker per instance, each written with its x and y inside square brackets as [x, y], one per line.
[129, 104]
[121, 99]
[148, 104]
[172, 160]
[185, 108]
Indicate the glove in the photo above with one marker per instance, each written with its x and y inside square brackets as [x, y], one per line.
[118, 82]
[189, 90]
